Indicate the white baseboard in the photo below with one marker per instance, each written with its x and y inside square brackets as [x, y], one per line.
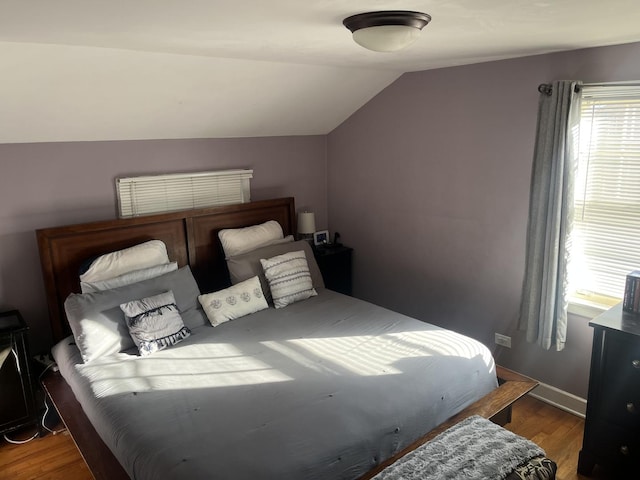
[559, 398]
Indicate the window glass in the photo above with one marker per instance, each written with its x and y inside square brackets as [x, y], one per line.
[605, 241]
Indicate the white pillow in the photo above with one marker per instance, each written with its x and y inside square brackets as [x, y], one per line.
[154, 323]
[289, 278]
[234, 302]
[240, 240]
[114, 264]
[128, 278]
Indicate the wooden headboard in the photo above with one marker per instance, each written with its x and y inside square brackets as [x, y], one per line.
[191, 238]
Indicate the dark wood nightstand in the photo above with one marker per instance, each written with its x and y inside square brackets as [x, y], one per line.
[335, 265]
[17, 407]
[612, 425]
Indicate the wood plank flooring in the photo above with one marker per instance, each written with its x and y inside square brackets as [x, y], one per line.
[557, 432]
[55, 456]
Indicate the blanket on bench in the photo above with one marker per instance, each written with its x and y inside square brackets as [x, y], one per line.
[475, 448]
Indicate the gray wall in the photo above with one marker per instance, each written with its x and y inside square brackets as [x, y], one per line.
[429, 182]
[50, 184]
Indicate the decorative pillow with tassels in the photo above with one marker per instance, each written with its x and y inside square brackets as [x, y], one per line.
[154, 323]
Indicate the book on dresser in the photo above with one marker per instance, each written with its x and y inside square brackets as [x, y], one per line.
[631, 300]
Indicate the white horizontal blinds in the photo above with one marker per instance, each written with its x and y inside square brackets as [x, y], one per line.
[606, 236]
[183, 191]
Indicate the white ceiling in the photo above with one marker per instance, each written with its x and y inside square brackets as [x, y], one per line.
[79, 70]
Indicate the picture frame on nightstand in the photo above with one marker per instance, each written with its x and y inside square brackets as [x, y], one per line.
[321, 237]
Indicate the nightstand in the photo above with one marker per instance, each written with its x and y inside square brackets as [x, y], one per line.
[335, 265]
[17, 407]
[612, 424]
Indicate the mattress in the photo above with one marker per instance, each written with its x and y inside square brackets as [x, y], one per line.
[326, 388]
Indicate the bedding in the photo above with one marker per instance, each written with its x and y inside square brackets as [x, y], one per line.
[97, 321]
[154, 322]
[288, 277]
[128, 278]
[234, 302]
[114, 264]
[236, 241]
[247, 265]
[325, 388]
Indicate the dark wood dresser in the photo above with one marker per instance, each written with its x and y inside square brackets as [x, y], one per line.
[612, 425]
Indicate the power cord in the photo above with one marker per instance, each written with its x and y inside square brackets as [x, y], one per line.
[46, 405]
[44, 415]
[20, 442]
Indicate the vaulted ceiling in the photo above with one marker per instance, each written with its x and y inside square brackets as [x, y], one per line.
[82, 70]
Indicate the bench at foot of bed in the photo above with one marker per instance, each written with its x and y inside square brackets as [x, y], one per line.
[495, 406]
[475, 448]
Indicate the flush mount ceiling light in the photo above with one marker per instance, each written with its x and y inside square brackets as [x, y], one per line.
[387, 31]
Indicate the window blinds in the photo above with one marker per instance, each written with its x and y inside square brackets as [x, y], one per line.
[182, 191]
[606, 235]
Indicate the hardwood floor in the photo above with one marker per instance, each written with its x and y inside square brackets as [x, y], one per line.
[557, 432]
[56, 457]
[52, 457]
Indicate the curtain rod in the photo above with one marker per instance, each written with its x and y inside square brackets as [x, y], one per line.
[547, 88]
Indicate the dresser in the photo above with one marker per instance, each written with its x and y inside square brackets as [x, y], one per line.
[612, 425]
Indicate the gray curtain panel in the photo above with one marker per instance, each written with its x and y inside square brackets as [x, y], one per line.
[543, 311]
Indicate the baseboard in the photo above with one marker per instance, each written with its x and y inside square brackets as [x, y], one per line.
[559, 398]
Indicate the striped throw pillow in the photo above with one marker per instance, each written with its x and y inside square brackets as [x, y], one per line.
[289, 278]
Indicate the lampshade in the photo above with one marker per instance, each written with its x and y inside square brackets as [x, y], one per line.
[386, 31]
[306, 223]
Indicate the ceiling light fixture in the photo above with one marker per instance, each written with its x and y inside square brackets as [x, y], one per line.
[386, 31]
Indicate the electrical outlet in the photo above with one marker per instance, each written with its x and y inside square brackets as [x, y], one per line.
[503, 340]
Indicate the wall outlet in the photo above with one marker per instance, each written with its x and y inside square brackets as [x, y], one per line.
[503, 340]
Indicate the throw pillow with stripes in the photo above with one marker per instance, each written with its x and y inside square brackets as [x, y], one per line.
[289, 278]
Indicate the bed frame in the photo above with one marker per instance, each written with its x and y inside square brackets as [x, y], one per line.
[192, 239]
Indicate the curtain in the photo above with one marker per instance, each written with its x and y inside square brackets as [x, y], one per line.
[543, 311]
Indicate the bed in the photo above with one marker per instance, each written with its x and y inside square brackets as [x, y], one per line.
[328, 387]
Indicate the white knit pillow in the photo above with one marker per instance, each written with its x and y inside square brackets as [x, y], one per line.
[289, 278]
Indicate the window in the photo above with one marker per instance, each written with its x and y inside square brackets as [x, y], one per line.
[605, 241]
[182, 191]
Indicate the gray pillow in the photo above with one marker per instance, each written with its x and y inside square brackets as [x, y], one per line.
[247, 265]
[98, 324]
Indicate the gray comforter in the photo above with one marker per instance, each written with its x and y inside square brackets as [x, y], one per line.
[322, 389]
